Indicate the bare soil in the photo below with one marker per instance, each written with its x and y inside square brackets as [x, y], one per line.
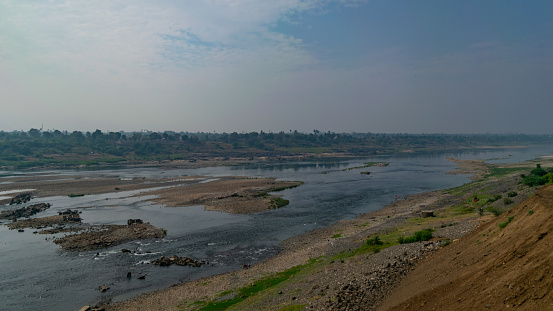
[492, 268]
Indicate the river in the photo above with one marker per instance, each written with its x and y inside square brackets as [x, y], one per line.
[37, 275]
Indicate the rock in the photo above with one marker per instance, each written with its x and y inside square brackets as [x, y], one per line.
[103, 288]
[85, 308]
[124, 250]
[129, 275]
[142, 277]
[25, 211]
[21, 198]
[134, 221]
[70, 215]
[176, 260]
[426, 214]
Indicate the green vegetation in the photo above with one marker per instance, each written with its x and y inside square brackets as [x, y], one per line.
[495, 211]
[256, 287]
[278, 203]
[538, 177]
[505, 223]
[423, 235]
[368, 164]
[337, 235]
[277, 189]
[494, 198]
[55, 148]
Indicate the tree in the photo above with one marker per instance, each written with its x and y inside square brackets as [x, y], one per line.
[97, 135]
[34, 133]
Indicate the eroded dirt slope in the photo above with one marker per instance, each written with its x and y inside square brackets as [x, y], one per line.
[492, 268]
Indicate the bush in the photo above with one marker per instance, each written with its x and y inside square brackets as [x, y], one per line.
[423, 235]
[278, 203]
[512, 194]
[533, 180]
[507, 201]
[494, 198]
[495, 211]
[375, 241]
[504, 224]
[538, 171]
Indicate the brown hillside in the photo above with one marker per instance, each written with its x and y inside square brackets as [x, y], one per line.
[491, 268]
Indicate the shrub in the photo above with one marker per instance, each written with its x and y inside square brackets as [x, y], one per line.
[495, 211]
[538, 171]
[548, 178]
[278, 203]
[512, 194]
[533, 180]
[507, 201]
[494, 198]
[423, 235]
[505, 223]
[375, 241]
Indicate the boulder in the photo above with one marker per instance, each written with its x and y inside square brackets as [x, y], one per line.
[176, 260]
[134, 221]
[21, 198]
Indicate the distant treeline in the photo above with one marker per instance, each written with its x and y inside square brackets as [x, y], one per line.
[40, 148]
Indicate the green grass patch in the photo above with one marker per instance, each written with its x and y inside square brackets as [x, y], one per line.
[503, 171]
[422, 235]
[338, 235]
[505, 223]
[372, 245]
[278, 203]
[495, 211]
[277, 189]
[256, 287]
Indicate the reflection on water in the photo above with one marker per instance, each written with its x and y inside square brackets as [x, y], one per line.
[38, 275]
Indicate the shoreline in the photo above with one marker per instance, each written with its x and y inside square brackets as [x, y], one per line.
[300, 249]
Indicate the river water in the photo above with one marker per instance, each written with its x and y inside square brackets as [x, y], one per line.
[37, 275]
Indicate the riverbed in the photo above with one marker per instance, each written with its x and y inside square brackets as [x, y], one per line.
[37, 274]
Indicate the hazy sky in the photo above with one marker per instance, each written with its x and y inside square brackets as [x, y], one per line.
[248, 65]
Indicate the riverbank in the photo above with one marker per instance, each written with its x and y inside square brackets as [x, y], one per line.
[324, 268]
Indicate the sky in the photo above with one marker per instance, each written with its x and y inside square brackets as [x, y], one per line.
[382, 66]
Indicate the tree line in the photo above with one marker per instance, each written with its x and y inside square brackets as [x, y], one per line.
[36, 147]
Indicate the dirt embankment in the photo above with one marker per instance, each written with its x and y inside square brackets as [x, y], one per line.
[506, 263]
